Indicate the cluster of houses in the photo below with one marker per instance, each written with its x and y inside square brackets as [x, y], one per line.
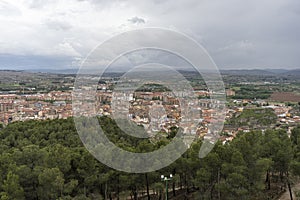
[287, 117]
[155, 111]
[51, 105]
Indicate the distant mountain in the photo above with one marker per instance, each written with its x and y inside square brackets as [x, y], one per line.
[295, 72]
[251, 72]
[10, 70]
[277, 71]
[262, 72]
[237, 72]
[54, 71]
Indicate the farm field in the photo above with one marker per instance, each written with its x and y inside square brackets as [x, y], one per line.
[285, 97]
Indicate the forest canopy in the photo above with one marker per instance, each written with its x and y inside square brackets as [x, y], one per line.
[47, 160]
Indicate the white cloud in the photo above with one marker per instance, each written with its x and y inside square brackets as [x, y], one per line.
[7, 9]
[265, 30]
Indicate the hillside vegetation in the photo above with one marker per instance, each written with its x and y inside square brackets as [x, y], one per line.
[46, 160]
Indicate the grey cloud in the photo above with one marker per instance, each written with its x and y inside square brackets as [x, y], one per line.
[19, 62]
[236, 33]
[36, 4]
[271, 29]
[58, 25]
[137, 20]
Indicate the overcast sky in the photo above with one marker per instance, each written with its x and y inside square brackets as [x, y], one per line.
[58, 34]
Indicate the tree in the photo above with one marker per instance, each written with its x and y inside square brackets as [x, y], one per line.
[12, 188]
[51, 183]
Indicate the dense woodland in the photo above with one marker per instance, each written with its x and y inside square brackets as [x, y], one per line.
[252, 92]
[46, 160]
[253, 118]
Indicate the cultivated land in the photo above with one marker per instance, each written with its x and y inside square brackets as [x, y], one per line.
[285, 97]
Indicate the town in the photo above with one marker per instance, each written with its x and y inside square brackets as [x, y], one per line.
[154, 107]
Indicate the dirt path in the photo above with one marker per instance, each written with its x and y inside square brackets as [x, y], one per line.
[286, 195]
